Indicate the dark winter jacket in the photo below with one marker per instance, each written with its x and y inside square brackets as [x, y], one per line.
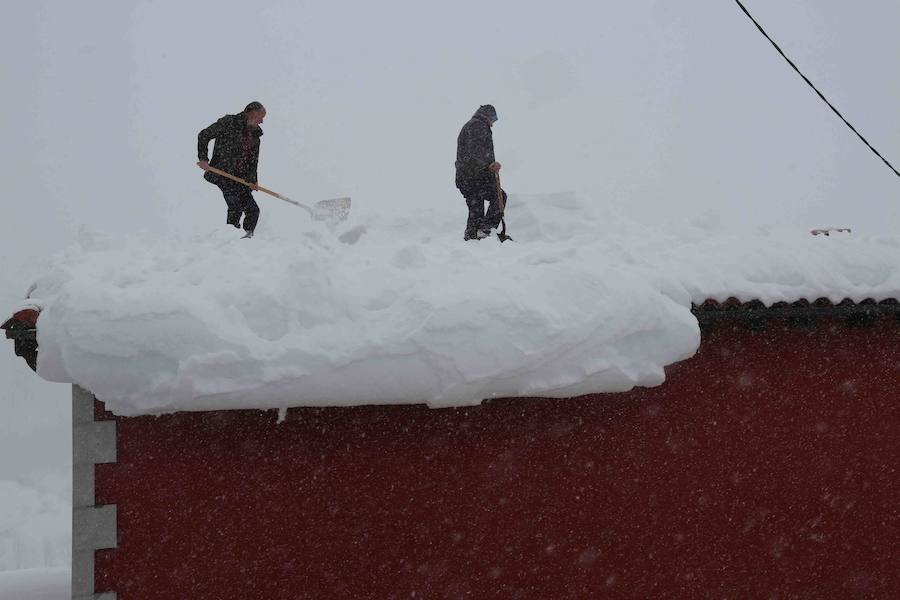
[235, 151]
[475, 151]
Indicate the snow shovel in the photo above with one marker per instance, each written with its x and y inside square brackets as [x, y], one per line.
[502, 233]
[334, 209]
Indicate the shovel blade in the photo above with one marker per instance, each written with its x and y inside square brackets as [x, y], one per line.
[333, 209]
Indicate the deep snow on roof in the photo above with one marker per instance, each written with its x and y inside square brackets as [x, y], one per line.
[385, 310]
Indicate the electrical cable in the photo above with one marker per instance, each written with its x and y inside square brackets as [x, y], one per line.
[790, 62]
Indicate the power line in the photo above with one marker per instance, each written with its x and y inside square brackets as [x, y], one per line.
[824, 99]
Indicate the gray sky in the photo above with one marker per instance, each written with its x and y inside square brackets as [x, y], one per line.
[660, 109]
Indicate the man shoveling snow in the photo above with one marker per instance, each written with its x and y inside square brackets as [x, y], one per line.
[236, 151]
[476, 173]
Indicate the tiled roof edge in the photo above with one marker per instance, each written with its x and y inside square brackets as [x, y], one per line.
[732, 309]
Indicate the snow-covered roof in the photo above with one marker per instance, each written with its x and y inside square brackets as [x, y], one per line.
[385, 310]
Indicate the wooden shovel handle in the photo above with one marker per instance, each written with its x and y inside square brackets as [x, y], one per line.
[260, 188]
[239, 180]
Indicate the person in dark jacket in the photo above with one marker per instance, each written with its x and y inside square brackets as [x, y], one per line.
[236, 151]
[476, 171]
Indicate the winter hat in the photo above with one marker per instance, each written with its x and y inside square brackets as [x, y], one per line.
[487, 111]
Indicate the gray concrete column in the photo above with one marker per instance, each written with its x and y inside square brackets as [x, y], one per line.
[93, 527]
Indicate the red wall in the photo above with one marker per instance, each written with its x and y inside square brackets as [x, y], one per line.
[766, 466]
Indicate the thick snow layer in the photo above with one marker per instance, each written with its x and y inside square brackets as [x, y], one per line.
[386, 309]
[35, 584]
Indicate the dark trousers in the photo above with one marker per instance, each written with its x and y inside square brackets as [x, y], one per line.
[240, 202]
[478, 218]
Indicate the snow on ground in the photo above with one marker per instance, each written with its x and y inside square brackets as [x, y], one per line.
[387, 309]
[35, 584]
[35, 524]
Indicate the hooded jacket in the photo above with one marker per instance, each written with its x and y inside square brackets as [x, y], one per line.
[229, 133]
[475, 151]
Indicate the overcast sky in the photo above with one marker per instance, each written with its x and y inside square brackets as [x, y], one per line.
[662, 110]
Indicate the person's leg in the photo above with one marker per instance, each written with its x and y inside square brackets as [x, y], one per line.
[231, 193]
[487, 193]
[476, 216]
[492, 216]
[251, 212]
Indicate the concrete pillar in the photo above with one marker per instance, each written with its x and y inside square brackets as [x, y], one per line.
[93, 527]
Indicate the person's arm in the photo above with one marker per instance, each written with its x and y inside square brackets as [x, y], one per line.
[482, 147]
[251, 171]
[203, 139]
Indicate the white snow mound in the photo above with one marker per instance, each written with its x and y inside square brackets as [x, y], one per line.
[387, 310]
